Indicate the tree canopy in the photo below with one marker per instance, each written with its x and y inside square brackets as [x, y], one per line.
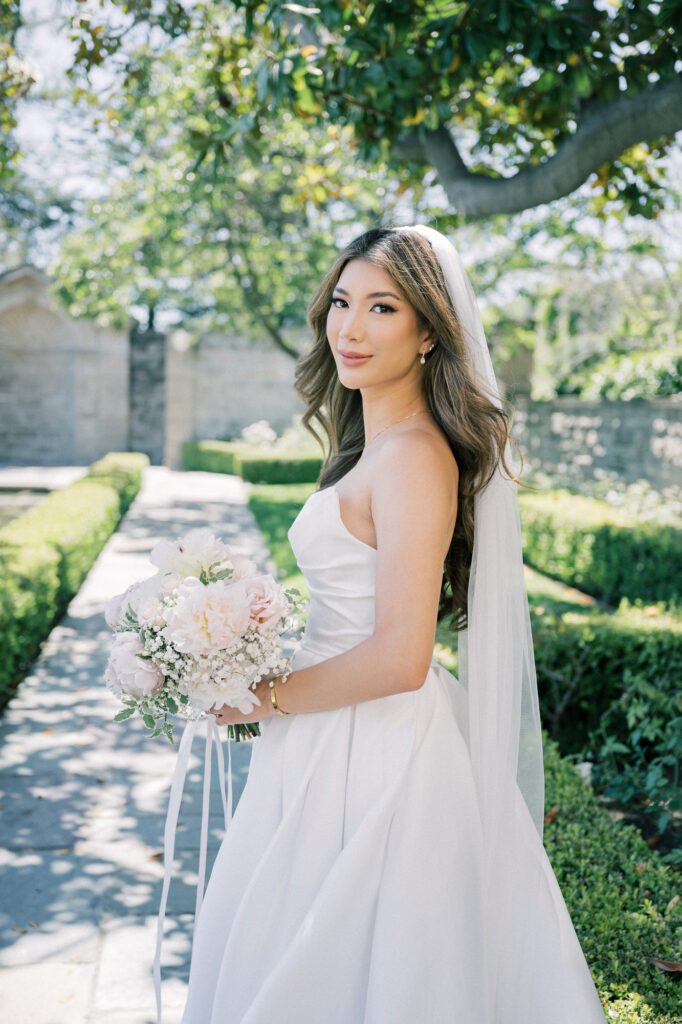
[16, 78]
[212, 243]
[514, 103]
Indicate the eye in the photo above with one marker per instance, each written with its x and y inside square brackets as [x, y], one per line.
[336, 299]
[384, 307]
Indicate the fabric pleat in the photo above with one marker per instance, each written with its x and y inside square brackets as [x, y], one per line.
[349, 886]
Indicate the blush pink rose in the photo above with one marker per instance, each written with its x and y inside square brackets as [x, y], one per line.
[126, 672]
[241, 566]
[206, 617]
[267, 602]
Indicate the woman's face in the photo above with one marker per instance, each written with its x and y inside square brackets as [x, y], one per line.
[372, 329]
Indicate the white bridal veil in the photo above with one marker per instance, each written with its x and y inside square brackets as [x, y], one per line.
[497, 667]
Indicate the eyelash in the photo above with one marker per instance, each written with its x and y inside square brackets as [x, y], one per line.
[383, 305]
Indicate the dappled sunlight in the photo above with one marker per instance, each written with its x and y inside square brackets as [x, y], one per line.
[84, 798]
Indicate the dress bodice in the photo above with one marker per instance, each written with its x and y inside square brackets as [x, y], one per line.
[340, 570]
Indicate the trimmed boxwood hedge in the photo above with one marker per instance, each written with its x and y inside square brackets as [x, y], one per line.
[625, 904]
[252, 464]
[609, 688]
[583, 657]
[46, 554]
[209, 456]
[588, 544]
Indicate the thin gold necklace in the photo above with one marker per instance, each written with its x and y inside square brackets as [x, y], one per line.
[394, 424]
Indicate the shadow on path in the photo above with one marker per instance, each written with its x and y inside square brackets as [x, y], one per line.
[84, 798]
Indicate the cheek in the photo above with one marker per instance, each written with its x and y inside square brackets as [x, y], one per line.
[332, 329]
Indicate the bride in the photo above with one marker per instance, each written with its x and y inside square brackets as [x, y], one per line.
[385, 862]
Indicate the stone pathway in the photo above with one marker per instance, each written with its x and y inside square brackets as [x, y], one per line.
[84, 798]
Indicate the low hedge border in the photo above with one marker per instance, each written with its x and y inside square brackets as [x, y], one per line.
[624, 902]
[588, 544]
[251, 464]
[609, 688]
[46, 554]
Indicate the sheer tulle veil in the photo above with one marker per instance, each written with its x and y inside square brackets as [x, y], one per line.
[497, 667]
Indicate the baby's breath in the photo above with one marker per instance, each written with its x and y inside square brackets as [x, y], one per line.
[195, 683]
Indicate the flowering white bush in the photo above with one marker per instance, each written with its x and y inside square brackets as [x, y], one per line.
[199, 634]
[259, 433]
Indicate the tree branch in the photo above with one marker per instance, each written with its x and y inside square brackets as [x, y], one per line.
[257, 305]
[604, 132]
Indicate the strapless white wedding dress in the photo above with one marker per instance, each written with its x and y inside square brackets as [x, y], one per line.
[347, 888]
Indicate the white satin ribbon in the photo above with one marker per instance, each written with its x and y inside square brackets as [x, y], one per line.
[174, 801]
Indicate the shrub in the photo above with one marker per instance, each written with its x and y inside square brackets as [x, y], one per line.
[46, 554]
[209, 456]
[76, 522]
[252, 464]
[626, 375]
[609, 687]
[123, 470]
[289, 468]
[587, 544]
[29, 590]
[623, 901]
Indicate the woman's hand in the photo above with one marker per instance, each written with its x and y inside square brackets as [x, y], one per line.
[227, 715]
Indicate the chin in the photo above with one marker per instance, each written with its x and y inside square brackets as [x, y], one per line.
[350, 385]
[351, 378]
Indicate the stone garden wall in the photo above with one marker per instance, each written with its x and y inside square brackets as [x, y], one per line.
[636, 440]
[71, 391]
[222, 384]
[63, 382]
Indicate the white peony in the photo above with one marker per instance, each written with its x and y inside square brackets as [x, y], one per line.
[126, 672]
[207, 617]
[145, 599]
[115, 609]
[206, 694]
[241, 566]
[195, 551]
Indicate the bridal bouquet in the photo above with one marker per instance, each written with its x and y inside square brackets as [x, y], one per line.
[199, 634]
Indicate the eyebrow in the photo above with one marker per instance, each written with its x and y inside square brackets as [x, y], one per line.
[372, 295]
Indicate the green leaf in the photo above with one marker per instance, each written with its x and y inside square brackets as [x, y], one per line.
[122, 715]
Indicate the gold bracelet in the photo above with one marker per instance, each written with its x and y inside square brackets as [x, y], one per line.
[273, 698]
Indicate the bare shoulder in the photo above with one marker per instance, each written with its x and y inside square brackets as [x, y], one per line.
[413, 491]
[418, 456]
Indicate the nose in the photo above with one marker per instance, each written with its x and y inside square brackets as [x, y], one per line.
[351, 326]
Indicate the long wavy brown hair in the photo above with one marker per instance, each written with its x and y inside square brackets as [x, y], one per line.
[477, 430]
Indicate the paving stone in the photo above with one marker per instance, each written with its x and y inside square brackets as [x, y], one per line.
[125, 955]
[46, 993]
[84, 798]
